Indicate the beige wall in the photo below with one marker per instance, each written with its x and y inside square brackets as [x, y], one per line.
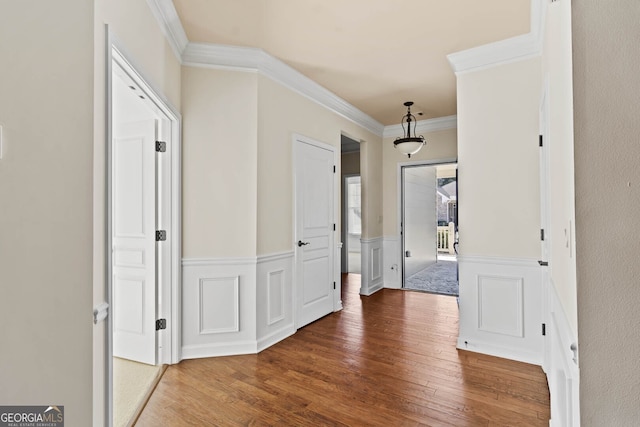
[219, 177]
[237, 161]
[607, 151]
[46, 176]
[498, 158]
[441, 146]
[559, 141]
[281, 114]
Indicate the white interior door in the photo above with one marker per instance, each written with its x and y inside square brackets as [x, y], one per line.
[314, 195]
[134, 241]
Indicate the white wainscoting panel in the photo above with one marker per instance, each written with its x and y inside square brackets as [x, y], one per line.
[372, 279]
[391, 265]
[275, 296]
[507, 292]
[218, 307]
[501, 307]
[274, 310]
[562, 368]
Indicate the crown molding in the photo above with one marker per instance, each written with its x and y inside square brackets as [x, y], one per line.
[254, 59]
[170, 25]
[423, 126]
[504, 51]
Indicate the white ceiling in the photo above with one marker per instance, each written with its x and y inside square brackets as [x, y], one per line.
[375, 54]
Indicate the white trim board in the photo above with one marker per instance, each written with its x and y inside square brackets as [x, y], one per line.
[254, 59]
[170, 25]
[257, 60]
[504, 51]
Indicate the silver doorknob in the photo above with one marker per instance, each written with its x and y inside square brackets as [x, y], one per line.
[301, 243]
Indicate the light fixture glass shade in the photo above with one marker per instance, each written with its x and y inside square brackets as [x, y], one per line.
[409, 144]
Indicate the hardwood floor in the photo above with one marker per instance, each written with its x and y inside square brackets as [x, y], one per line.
[385, 360]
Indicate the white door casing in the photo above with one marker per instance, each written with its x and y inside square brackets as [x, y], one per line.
[134, 241]
[314, 229]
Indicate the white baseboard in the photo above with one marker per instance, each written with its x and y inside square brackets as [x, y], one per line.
[275, 337]
[491, 349]
[219, 349]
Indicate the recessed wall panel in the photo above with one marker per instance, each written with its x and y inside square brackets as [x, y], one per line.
[275, 297]
[219, 305]
[500, 305]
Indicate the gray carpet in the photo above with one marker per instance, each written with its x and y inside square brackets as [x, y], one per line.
[440, 278]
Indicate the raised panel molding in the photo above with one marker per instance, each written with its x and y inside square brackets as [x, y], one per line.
[275, 296]
[501, 305]
[219, 305]
[506, 292]
[372, 279]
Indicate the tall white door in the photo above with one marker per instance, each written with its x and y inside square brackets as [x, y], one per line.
[314, 210]
[134, 241]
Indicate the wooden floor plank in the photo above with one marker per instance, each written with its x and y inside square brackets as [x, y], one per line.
[385, 360]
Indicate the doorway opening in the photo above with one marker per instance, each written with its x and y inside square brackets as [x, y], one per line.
[429, 228]
[351, 233]
[143, 240]
[352, 223]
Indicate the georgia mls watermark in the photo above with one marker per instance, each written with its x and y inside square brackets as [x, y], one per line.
[32, 416]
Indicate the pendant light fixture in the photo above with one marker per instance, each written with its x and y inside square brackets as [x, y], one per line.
[409, 144]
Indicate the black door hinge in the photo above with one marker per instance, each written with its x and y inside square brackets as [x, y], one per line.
[161, 235]
[334, 226]
[161, 324]
[334, 168]
[544, 329]
[542, 234]
[540, 139]
[161, 146]
[334, 285]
